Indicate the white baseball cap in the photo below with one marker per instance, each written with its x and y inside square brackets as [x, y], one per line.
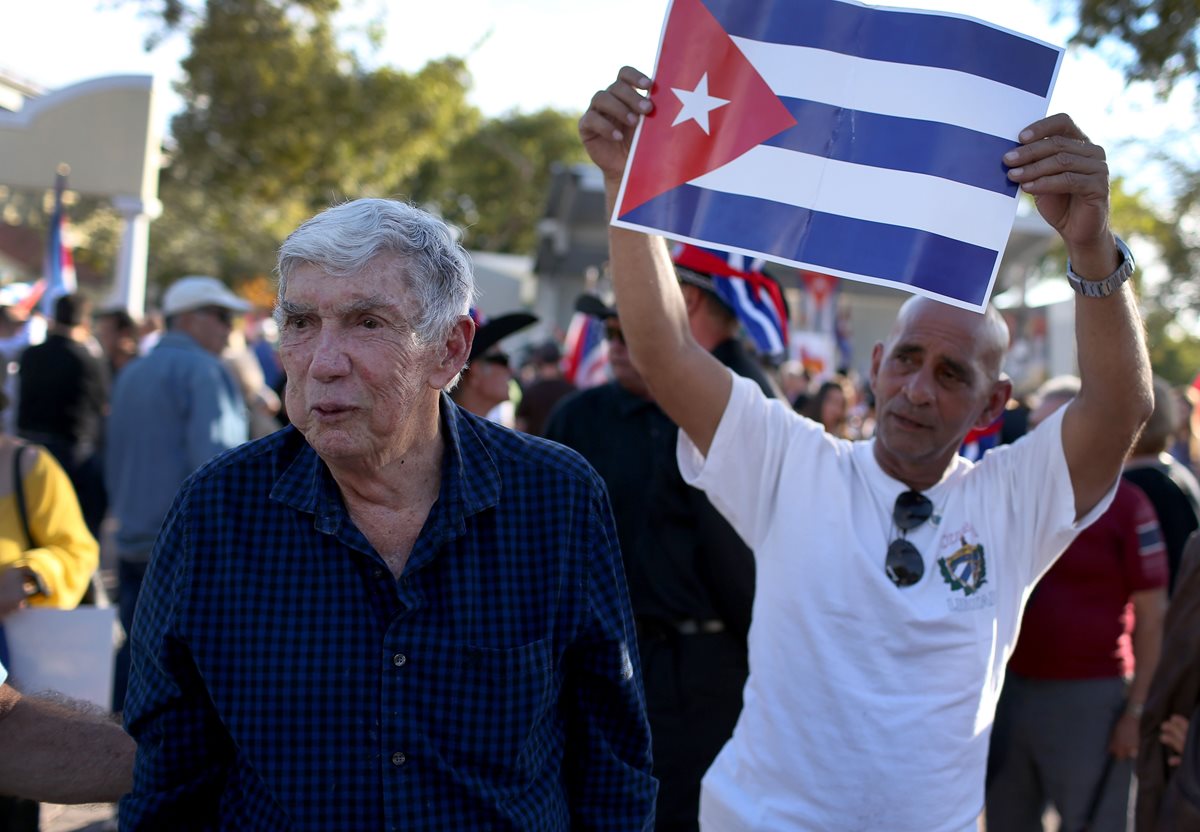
[195, 292]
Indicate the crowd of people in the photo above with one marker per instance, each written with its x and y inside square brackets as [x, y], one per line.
[455, 592]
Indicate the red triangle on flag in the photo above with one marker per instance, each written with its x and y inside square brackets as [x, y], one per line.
[697, 55]
[819, 285]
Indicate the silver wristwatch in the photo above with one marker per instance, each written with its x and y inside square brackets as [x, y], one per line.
[1104, 288]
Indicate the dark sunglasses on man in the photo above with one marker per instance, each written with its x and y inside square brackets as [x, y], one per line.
[612, 332]
[904, 564]
[222, 314]
[499, 359]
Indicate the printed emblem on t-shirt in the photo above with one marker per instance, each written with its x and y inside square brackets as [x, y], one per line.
[965, 569]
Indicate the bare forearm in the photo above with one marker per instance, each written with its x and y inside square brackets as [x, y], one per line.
[1149, 615]
[1115, 396]
[60, 751]
[689, 384]
[1067, 175]
[652, 310]
[1114, 367]
[1147, 646]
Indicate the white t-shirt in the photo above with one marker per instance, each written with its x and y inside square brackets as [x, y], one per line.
[869, 706]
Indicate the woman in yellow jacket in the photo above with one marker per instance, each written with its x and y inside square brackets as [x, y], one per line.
[54, 568]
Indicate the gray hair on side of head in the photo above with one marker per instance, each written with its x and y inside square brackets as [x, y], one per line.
[995, 333]
[1065, 387]
[343, 239]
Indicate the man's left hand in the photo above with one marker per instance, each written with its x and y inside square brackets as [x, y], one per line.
[1123, 744]
[12, 591]
[1173, 734]
[1067, 176]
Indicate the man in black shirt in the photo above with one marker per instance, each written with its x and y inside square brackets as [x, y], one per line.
[63, 400]
[1170, 486]
[691, 578]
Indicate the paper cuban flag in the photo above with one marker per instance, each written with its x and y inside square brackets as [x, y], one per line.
[853, 140]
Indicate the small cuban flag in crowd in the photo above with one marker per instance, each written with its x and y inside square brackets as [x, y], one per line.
[851, 140]
[981, 440]
[585, 358]
[59, 265]
[741, 283]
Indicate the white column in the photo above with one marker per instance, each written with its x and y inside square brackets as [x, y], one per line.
[129, 278]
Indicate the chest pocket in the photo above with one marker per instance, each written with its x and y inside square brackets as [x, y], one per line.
[497, 701]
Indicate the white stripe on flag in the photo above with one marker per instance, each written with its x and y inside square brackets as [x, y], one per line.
[741, 289]
[947, 96]
[913, 200]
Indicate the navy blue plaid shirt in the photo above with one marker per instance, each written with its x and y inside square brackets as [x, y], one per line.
[284, 680]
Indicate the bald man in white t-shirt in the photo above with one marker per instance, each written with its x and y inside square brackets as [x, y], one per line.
[891, 573]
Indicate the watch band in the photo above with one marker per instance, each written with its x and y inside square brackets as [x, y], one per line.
[1104, 288]
[34, 585]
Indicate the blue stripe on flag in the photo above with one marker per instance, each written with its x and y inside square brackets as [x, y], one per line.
[942, 150]
[1149, 539]
[900, 37]
[760, 318]
[904, 256]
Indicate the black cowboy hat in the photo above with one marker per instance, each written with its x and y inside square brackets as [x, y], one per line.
[592, 305]
[492, 331]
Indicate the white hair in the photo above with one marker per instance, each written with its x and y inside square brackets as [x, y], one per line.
[341, 241]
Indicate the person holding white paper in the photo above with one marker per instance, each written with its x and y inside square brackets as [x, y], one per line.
[47, 554]
[891, 573]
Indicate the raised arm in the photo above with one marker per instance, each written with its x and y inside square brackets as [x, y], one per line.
[1068, 178]
[689, 384]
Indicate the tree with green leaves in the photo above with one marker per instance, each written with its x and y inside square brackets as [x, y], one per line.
[493, 182]
[1162, 35]
[279, 122]
[1160, 40]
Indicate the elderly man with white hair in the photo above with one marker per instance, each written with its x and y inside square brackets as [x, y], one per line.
[394, 614]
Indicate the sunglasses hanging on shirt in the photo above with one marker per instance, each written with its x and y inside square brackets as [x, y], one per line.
[904, 564]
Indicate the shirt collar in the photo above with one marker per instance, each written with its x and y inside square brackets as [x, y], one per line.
[470, 479]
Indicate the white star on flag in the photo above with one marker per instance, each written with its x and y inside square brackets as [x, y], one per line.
[697, 104]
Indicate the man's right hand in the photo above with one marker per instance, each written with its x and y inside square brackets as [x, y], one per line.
[689, 385]
[606, 129]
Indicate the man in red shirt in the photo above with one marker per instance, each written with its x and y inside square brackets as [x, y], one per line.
[1066, 730]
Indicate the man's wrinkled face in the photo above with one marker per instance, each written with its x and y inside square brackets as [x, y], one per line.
[933, 381]
[356, 369]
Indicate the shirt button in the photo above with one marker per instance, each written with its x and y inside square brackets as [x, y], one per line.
[398, 759]
[399, 659]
